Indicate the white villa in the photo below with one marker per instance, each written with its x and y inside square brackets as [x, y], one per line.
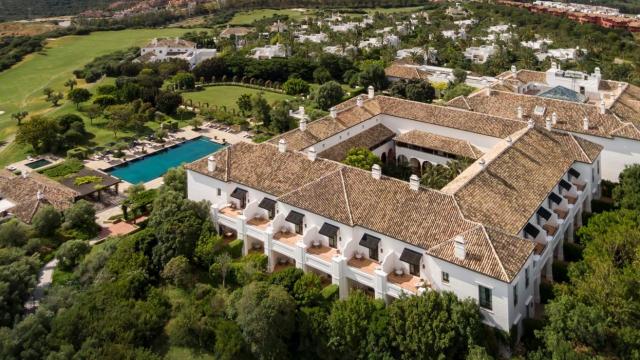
[568, 54]
[435, 74]
[314, 38]
[480, 54]
[454, 35]
[162, 49]
[536, 44]
[601, 111]
[431, 56]
[269, 51]
[490, 235]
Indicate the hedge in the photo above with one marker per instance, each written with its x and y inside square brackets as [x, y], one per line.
[546, 292]
[79, 153]
[572, 252]
[560, 271]
[234, 248]
[331, 292]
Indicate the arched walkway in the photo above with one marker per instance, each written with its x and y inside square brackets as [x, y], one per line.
[414, 164]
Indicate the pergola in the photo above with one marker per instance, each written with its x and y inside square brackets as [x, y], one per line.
[88, 189]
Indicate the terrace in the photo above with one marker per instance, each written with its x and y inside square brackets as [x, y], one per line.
[259, 222]
[406, 281]
[325, 253]
[287, 237]
[363, 264]
[231, 211]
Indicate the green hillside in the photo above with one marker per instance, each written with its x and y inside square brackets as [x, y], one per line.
[20, 9]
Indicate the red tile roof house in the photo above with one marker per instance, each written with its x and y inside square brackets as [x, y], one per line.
[490, 235]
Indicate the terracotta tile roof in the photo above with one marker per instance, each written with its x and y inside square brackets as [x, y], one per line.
[350, 115]
[570, 114]
[370, 139]
[237, 30]
[22, 191]
[525, 76]
[627, 106]
[406, 72]
[171, 42]
[518, 178]
[427, 218]
[264, 168]
[424, 218]
[488, 251]
[439, 142]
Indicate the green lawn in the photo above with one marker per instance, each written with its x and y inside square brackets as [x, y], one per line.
[248, 17]
[227, 95]
[21, 86]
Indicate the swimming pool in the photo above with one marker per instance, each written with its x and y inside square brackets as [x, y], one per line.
[156, 165]
[38, 163]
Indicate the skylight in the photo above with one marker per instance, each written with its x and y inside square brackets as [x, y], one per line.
[539, 110]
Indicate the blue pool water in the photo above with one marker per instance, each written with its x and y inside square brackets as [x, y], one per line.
[156, 165]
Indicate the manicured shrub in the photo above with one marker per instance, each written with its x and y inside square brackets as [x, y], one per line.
[79, 153]
[560, 271]
[330, 293]
[546, 292]
[235, 248]
[572, 252]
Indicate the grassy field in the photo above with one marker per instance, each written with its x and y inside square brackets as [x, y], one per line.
[227, 95]
[247, 17]
[21, 86]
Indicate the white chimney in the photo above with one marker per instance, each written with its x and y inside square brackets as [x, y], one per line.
[509, 140]
[458, 248]
[39, 195]
[597, 72]
[211, 164]
[554, 65]
[376, 171]
[603, 107]
[520, 112]
[585, 123]
[360, 101]
[514, 69]
[547, 123]
[530, 124]
[372, 92]
[333, 112]
[282, 145]
[311, 154]
[554, 118]
[303, 123]
[25, 174]
[482, 163]
[414, 182]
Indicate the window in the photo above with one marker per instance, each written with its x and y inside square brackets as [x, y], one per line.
[526, 278]
[515, 294]
[219, 191]
[485, 297]
[333, 242]
[373, 254]
[445, 277]
[414, 269]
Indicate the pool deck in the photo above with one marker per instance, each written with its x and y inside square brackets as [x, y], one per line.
[22, 165]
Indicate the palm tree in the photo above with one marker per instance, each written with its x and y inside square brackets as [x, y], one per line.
[436, 176]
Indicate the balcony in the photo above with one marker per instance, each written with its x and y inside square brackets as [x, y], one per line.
[363, 264]
[231, 212]
[562, 214]
[571, 199]
[550, 229]
[259, 222]
[325, 253]
[405, 281]
[289, 238]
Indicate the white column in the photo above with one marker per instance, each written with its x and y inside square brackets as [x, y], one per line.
[214, 215]
[587, 204]
[338, 277]
[549, 269]
[380, 283]
[268, 245]
[560, 250]
[242, 232]
[299, 254]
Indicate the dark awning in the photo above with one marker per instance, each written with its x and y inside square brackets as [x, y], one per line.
[329, 230]
[411, 257]
[531, 230]
[239, 194]
[573, 172]
[565, 185]
[267, 204]
[555, 198]
[546, 214]
[369, 241]
[295, 217]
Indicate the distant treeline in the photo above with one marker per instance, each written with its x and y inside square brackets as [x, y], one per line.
[280, 4]
[22, 9]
